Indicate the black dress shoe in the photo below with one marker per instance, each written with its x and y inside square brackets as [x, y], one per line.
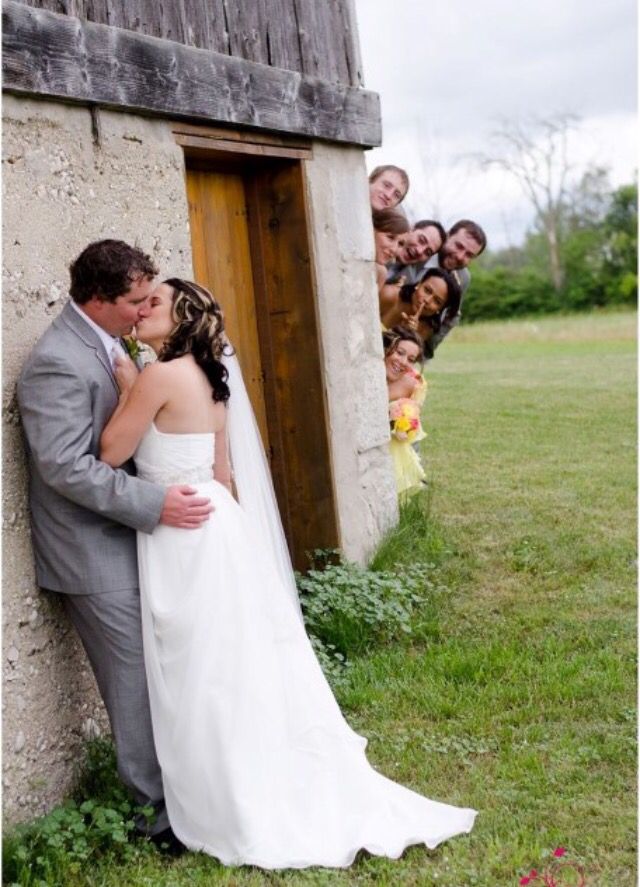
[168, 843]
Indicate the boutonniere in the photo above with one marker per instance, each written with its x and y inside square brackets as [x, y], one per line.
[132, 346]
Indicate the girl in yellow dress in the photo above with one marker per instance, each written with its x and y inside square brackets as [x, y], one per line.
[407, 390]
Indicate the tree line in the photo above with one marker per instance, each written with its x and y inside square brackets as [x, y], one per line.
[581, 252]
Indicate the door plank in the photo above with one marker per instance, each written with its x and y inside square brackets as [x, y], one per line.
[251, 247]
[293, 358]
[222, 263]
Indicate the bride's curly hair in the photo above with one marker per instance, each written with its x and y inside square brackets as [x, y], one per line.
[199, 331]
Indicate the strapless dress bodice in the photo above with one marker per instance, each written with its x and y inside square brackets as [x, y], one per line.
[165, 458]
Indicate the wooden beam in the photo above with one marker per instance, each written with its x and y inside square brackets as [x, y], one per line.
[222, 147]
[251, 137]
[316, 37]
[59, 57]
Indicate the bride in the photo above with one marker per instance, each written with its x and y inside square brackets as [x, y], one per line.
[259, 766]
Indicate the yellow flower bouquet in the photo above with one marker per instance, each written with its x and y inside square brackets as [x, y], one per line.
[404, 415]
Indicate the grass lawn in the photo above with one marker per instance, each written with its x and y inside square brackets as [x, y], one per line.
[516, 694]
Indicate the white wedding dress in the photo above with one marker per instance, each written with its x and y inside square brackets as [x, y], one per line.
[259, 766]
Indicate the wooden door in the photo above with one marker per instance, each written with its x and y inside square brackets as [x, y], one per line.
[251, 248]
[222, 263]
[288, 324]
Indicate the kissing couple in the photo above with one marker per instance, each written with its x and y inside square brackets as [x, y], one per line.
[174, 570]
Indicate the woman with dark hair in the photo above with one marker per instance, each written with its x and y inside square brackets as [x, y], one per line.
[259, 767]
[389, 226]
[401, 376]
[421, 306]
[407, 391]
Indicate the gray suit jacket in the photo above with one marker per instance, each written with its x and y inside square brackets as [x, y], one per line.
[83, 513]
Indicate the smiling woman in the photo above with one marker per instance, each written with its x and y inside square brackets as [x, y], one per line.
[389, 228]
[407, 390]
[421, 306]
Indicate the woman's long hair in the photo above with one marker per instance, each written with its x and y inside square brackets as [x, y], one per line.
[199, 331]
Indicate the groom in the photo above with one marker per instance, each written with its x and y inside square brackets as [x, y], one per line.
[84, 514]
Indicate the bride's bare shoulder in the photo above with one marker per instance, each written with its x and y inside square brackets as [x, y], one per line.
[171, 376]
[168, 368]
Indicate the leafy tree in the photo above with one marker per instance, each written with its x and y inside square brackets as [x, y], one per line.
[501, 292]
[621, 246]
[598, 248]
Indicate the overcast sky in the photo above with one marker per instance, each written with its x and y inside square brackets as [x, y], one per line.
[446, 70]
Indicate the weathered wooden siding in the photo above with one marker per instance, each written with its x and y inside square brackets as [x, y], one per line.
[70, 59]
[316, 37]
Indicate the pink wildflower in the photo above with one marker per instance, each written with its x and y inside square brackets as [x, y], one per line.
[525, 880]
[559, 851]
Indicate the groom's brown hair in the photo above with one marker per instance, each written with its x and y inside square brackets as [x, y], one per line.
[106, 269]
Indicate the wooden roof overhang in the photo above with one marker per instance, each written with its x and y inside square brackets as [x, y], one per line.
[60, 57]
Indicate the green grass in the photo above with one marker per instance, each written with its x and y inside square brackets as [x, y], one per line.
[516, 692]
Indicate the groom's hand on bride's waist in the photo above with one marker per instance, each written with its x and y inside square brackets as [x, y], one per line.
[183, 508]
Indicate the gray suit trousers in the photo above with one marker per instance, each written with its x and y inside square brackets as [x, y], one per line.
[111, 633]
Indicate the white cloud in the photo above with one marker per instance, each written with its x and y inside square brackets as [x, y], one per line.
[447, 69]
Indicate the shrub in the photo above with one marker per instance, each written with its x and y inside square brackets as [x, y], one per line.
[97, 777]
[348, 609]
[500, 292]
[94, 825]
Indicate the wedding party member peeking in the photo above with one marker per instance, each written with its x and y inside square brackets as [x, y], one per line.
[419, 246]
[389, 227]
[464, 243]
[407, 391]
[388, 186]
[422, 306]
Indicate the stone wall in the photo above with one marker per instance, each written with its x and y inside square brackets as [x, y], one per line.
[62, 190]
[338, 201]
[66, 183]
